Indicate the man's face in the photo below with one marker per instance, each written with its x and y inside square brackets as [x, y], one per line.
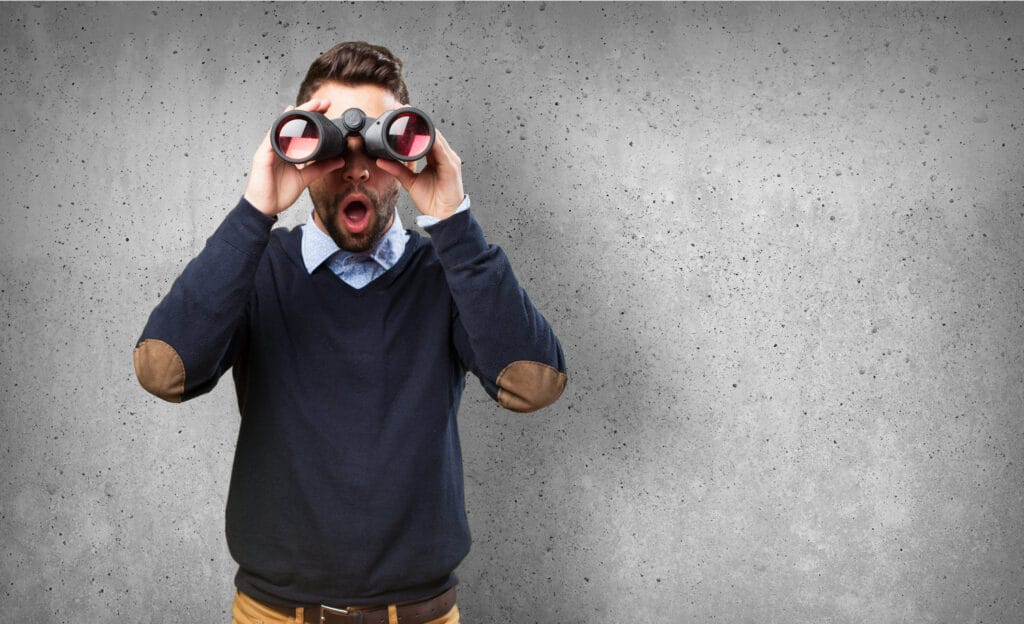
[355, 204]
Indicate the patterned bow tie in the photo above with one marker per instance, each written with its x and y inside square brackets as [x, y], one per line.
[356, 270]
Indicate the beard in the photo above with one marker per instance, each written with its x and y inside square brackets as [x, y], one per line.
[326, 203]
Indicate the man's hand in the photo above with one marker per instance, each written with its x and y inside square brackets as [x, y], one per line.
[437, 190]
[274, 184]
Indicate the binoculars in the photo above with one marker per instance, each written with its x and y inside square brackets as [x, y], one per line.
[402, 134]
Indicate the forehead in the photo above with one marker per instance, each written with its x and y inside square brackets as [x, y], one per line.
[371, 99]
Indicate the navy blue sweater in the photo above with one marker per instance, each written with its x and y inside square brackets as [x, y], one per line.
[347, 483]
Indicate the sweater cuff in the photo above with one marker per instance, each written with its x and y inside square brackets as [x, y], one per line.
[457, 239]
[246, 229]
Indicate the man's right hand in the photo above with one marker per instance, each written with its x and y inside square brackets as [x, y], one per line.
[274, 184]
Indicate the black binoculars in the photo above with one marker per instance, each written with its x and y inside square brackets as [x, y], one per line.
[402, 134]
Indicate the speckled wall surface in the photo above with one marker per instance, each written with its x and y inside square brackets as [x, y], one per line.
[782, 246]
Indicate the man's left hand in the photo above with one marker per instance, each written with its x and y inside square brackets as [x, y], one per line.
[437, 190]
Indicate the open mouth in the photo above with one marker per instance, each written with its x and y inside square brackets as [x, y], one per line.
[357, 215]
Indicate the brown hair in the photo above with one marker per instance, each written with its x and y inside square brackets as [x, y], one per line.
[356, 63]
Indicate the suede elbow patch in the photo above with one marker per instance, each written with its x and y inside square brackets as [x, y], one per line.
[160, 369]
[526, 386]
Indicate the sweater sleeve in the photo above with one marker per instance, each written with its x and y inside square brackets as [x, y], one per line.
[499, 334]
[197, 330]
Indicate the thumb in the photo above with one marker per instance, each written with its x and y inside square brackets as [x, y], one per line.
[405, 177]
[319, 169]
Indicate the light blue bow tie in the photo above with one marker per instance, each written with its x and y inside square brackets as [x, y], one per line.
[356, 270]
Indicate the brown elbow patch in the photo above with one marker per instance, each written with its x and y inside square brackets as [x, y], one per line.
[160, 369]
[525, 386]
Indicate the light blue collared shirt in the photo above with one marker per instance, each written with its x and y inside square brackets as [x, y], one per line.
[359, 269]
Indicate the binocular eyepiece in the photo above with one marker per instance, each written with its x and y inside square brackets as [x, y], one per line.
[402, 134]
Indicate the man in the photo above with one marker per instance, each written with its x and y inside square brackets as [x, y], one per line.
[349, 339]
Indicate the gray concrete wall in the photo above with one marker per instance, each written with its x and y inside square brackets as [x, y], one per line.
[781, 244]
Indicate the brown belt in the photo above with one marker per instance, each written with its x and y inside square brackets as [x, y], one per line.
[410, 613]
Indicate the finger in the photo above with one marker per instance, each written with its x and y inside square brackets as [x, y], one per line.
[440, 147]
[264, 151]
[316, 105]
[405, 177]
[442, 151]
[314, 171]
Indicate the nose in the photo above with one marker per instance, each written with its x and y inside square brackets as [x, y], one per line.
[357, 161]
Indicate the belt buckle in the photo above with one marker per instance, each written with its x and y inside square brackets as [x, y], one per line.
[344, 616]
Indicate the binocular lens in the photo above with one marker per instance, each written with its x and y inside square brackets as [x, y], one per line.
[409, 135]
[298, 138]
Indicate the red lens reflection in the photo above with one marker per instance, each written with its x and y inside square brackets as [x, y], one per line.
[409, 135]
[297, 138]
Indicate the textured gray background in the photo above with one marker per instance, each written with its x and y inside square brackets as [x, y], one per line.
[781, 244]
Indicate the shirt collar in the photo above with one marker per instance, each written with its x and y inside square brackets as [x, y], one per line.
[317, 247]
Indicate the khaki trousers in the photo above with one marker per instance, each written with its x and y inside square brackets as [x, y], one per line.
[248, 610]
